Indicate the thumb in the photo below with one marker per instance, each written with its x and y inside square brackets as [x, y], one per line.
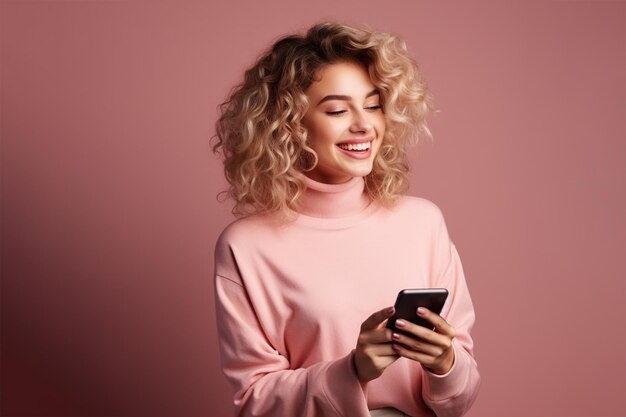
[377, 318]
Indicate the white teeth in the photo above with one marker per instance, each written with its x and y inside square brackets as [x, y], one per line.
[356, 146]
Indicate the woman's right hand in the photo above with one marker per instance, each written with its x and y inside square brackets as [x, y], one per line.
[374, 351]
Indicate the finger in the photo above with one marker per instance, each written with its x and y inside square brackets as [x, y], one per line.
[373, 321]
[420, 357]
[424, 334]
[385, 349]
[375, 336]
[441, 326]
[417, 345]
[436, 364]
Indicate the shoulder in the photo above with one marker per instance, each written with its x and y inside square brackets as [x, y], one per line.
[246, 230]
[236, 242]
[416, 216]
[419, 208]
[238, 229]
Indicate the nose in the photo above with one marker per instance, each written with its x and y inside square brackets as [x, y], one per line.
[361, 122]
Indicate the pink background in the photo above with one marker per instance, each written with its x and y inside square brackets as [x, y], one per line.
[109, 214]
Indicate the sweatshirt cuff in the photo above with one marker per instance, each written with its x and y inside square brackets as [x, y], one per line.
[342, 386]
[448, 385]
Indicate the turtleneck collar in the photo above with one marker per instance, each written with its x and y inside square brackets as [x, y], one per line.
[334, 200]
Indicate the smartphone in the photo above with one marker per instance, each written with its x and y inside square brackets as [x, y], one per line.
[409, 300]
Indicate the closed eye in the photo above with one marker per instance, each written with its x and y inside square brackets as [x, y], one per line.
[339, 112]
[336, 113]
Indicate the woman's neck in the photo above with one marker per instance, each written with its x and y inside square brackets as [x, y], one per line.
[334, 200]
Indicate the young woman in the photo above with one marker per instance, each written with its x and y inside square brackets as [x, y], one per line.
[314, 143]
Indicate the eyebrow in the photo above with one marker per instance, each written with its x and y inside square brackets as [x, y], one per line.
[346, 98]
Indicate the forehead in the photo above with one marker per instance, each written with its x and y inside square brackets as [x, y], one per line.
[341, 78]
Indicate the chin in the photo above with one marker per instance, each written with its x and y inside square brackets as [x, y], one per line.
[362, 172]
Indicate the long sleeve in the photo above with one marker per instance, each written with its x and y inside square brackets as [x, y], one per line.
[290, 299]
[264, 383]
[452, 394]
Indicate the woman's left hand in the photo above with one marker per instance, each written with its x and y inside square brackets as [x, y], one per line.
[433, 349]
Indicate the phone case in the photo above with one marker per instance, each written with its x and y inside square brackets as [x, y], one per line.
[409, 300]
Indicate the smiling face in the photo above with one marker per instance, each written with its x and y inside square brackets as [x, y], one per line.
[345, 123]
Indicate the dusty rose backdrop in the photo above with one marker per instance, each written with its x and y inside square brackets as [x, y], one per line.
[109, 213]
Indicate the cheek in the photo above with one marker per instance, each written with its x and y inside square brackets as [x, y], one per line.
[323, 135]
[381, 123]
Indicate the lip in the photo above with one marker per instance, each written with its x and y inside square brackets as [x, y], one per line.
[352, 154]
[355, 141]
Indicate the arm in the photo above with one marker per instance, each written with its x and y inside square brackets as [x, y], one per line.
[453, 393]
[450, 378]
[265, 384]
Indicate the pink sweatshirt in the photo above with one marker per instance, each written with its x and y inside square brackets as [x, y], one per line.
[291, 297]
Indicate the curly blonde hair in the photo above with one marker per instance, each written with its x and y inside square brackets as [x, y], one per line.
[263, 142]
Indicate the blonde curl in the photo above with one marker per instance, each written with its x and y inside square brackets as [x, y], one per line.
[259, 133]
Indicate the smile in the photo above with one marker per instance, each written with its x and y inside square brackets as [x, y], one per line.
[361, 150]
[355, 146]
